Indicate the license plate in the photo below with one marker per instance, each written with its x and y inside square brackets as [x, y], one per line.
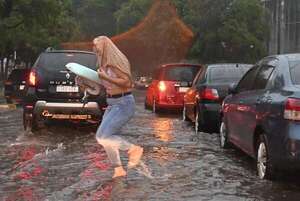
[70, 89]
[183, 89]
[22, 87]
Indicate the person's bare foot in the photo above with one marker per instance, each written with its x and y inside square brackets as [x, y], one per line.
[135, 154]
[119, 172]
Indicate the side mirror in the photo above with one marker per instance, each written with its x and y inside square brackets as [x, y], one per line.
[232, 89]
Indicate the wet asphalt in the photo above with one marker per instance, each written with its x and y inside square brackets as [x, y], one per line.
[64, 162]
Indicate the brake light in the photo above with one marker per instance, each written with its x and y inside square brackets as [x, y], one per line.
[292, 109]
[8, 83]
[32, 78]
[162, 86]
[209, 94]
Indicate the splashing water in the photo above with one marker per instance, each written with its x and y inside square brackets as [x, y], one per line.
[143, 169]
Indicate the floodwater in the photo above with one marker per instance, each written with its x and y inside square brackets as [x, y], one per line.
[66, 163]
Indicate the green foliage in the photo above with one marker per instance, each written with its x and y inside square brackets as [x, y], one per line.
[96, 17]
[131, 13]
[28, 26]
[227, 30]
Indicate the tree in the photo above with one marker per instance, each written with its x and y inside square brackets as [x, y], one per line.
[29, 26]
[130, 13]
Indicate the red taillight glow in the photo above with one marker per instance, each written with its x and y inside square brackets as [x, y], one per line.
[292, 109]
[32, 78]
[8, 83]
[162, 86]
[209, 94]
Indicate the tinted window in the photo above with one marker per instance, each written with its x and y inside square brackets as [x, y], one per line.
[295, 72]
[57, 61]
[262, 77]
[180, 73]
[226, 74]
[246, 83]
[19, 74]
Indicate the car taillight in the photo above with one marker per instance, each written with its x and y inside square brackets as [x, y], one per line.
[32, 78]
[162, 86]
[209, 94]
[8, 83]
[292, 109]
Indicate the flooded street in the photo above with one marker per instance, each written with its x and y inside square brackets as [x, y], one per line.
[66, 163]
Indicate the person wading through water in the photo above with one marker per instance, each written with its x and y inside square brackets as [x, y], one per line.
[114, 71]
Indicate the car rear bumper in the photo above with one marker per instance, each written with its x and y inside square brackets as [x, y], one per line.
[54, 110]
[168, 105]
[286, 150]
[210, 112]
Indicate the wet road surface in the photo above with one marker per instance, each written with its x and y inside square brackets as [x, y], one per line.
[66, 163]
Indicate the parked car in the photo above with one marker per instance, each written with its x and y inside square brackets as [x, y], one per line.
[261, 116]
[52, 92]
[170, 82]
[14, 86]
[142, 82]
[202, 102]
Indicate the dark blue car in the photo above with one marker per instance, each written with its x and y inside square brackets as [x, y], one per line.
[261, 116]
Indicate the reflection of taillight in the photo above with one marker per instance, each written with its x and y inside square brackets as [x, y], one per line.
[292, 109]
[32, 78]
[209, 94]
[162, 86]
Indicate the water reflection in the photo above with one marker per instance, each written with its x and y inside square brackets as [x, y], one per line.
[163, 129]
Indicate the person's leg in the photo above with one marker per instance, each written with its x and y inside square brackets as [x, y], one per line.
[117, 115]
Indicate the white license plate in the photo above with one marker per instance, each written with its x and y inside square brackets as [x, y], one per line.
[183, 89]
[22, 87]
[72, 89]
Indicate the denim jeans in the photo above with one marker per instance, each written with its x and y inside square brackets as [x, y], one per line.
[118, 113]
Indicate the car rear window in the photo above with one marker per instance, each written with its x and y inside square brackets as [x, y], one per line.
[295, 71]
[57, 61]
[226, 74]
[180, 73]
[19, 74]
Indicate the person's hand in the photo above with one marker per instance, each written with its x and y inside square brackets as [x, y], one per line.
[102, 74]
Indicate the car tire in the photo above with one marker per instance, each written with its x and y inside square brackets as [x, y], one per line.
[31, 124]
[9, 101]
[224, 143]
[197, 124]
[263, 164]
[154, 107]
[146, 106]
[184, 117]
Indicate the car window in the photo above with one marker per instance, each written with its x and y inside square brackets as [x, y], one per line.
[57, 61]
[262, 77]
[226, 74]
[180, 73]
[197, 76]
[19, 74]
[202, 77]
[295, 71]
[246, 82]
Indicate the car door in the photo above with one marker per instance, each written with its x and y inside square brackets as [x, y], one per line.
[249, 101]
[190, 97]
[233, 116]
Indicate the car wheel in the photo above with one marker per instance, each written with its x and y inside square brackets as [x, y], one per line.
[8, 101]
[147, 107]
[224, 136]
[197, 126]
[184, 117]
[154, 109]
[263, 164]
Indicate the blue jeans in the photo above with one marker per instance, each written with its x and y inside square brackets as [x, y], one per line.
[118, 113]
